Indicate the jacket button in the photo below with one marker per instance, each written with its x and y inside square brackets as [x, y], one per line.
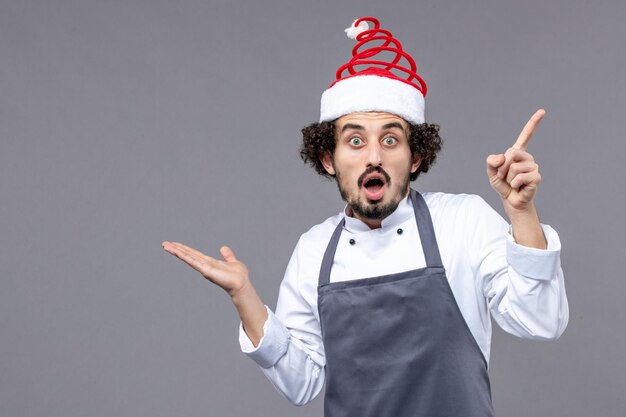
[400, 231]
[352, 241]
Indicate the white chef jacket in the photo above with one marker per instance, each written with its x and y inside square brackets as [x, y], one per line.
[488, 272]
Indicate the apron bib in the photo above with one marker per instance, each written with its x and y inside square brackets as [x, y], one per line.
[397, 345]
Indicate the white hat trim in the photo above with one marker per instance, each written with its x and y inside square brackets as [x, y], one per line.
[363, 93]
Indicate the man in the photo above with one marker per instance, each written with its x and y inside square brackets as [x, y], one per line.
[388, 303]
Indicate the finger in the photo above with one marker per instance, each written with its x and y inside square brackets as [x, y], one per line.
[172, 248]
[501, 187]
[493, 163]
[529, 129]
[512, 156]
[168, 246]
[196, 259]
[193, 251]
[228, 254]
[521, 168]
[526, 179]
[189, 259]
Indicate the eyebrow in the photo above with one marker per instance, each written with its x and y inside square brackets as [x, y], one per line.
[351, 126]
[359, 127]
[392, 125]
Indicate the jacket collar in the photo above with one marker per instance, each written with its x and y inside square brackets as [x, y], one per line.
[395, 219]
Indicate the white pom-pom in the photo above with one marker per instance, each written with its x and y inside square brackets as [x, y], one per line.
[353, 30]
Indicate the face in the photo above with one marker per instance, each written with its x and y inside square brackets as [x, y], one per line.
[372, 163]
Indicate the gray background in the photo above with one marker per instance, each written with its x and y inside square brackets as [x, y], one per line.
[126, 123]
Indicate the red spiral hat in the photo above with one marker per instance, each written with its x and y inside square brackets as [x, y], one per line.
[381, 76]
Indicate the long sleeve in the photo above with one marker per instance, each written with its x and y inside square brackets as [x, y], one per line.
[524, 287]
[285, 362]
[291, 352]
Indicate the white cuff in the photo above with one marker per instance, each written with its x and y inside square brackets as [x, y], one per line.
[535, 263]
[272, 346]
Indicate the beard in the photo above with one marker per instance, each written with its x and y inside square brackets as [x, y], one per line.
[374, 209]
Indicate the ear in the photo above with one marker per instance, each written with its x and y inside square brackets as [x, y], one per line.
[417, 161]
[327, 160]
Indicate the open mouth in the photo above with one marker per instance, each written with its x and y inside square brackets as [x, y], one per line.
[374, 186]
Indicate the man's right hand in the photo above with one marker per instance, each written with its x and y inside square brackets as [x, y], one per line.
[230, 274]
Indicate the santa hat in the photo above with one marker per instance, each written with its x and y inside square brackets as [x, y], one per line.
[388, 83]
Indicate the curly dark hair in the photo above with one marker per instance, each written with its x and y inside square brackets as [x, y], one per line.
[319, 138]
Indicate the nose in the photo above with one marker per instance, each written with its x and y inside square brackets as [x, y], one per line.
[374, 155]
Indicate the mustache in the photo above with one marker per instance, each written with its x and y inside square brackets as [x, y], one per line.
[370, 170]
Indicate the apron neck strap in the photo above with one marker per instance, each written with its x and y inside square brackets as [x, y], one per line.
[426, 230]
[329, 255]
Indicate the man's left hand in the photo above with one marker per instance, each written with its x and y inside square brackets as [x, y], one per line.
[514, 174]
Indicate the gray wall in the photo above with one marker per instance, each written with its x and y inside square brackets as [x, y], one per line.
[126, 123]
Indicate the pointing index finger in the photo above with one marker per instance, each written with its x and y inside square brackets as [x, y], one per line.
[529, 129]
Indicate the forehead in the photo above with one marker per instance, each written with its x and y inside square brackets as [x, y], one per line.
[369, 120]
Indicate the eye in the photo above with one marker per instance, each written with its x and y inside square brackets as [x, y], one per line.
[355, 141]
[390, 140]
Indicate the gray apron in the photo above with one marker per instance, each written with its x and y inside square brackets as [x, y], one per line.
[397, 345]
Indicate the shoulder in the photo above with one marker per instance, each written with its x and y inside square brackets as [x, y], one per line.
[462, 214]
[304, 266]
[447, 203]
[312, 244]
[320, 233]
[467, 230]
